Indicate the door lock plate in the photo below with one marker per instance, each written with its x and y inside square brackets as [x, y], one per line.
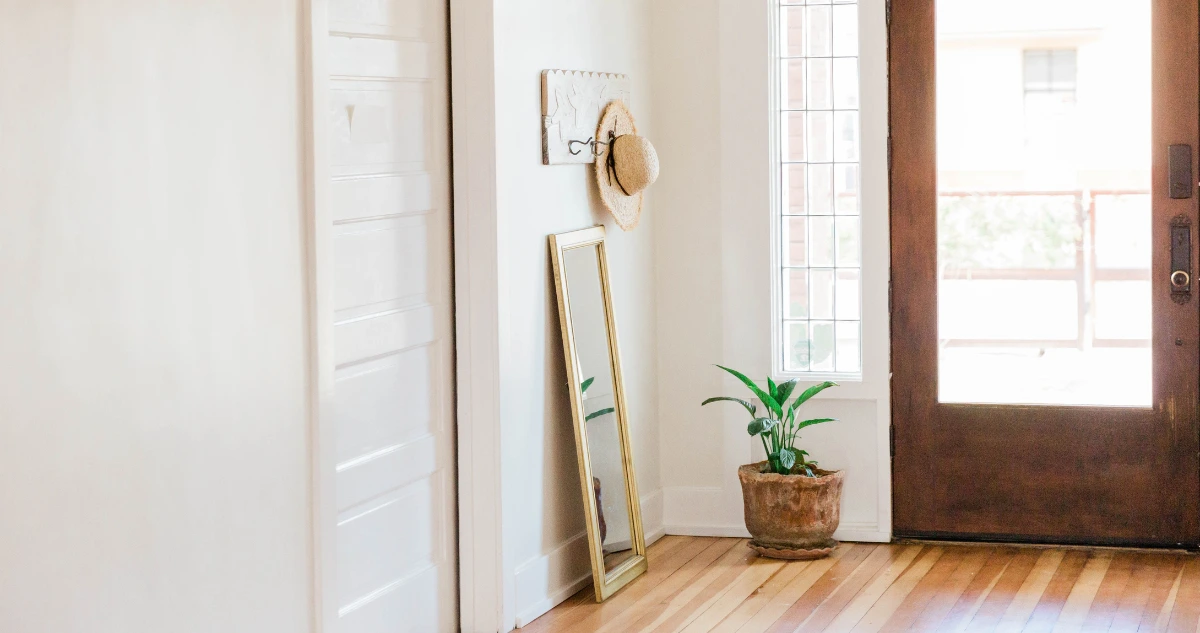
[1181, 259]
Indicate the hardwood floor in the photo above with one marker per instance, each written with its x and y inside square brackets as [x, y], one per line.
[699, 584]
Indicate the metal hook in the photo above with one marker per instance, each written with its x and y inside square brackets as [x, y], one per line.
[591, 142]
[571, 145]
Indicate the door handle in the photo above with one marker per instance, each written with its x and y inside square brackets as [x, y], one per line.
[1180, 183]
[1181, 259]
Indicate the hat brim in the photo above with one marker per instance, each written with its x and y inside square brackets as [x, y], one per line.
[626, 209]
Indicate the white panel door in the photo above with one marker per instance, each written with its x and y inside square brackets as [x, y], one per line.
[389, 196]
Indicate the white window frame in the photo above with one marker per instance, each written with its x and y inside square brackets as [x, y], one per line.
[778, 335]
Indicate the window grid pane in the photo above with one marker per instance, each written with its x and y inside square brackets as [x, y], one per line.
[820, 229]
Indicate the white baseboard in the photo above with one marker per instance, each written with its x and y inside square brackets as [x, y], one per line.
[655, 534]
[853, 532]
[707, 511]
[731, 531]
[539, 608]
[545, 581]
[652, 514]
[862, 533]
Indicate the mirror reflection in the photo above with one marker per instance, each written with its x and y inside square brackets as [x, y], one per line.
[589, 324]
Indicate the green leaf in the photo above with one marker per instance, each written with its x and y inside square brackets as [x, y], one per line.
[785, 391]
[808, 423]
[587, 383]
[772, 389]
[808, 471]
[787, 459]
[599, 412]
[762, 395]
[810, 392]
[750, 406]
[760, 425]
[797, 454]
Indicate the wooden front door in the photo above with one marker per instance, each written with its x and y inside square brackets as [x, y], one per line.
[1045, 364]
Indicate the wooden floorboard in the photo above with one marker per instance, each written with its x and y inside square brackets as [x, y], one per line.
[716, 585]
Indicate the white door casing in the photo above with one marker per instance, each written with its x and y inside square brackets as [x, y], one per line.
[385, 502]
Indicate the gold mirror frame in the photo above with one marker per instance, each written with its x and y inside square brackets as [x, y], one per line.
[606, 584]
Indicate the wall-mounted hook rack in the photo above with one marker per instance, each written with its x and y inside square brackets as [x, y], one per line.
[572, 101]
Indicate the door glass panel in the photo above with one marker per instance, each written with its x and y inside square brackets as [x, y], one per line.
[1043, 125]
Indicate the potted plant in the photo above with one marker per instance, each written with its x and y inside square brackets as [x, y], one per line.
[792, 507]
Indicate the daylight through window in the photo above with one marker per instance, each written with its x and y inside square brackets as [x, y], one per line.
[820, 232]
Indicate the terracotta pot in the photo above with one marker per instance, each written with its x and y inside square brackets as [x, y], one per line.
[791, 516]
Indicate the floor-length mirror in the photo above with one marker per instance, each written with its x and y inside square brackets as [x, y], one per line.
[598, 405]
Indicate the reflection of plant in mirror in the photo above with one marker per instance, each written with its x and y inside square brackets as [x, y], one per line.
[583, 387]
[779, 429]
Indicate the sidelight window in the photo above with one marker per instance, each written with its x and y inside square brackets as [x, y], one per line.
[819, 238]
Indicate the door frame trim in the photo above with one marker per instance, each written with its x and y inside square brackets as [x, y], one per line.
[481, 591]
[318, 257]
[486, 597]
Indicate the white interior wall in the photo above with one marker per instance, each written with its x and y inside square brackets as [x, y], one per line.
[545, 545]
[692, 285]
[711, 96]
[153, 418]
[155, 261]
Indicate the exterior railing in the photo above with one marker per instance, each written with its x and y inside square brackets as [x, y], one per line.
[1085, 273]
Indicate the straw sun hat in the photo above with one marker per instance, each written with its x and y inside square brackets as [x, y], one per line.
[625, 166]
